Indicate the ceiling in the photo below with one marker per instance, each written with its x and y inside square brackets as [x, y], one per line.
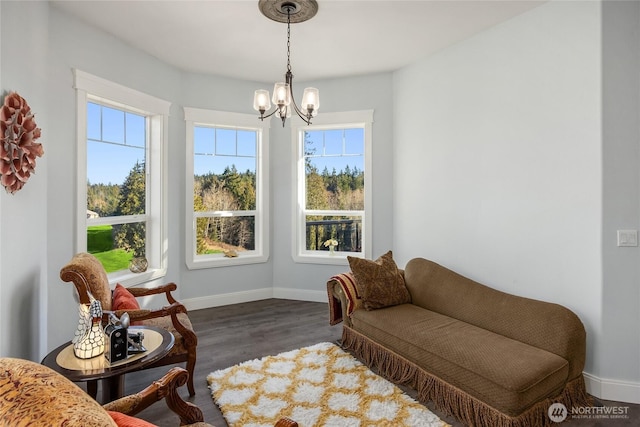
[346, 37]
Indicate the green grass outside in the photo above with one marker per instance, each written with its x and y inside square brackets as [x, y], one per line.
[100, 244]
[212, 251]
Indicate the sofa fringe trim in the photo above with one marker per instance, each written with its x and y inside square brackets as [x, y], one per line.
[450, 399]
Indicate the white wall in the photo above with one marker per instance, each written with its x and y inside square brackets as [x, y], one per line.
[619, 371]
[501, 154]
[23, 246]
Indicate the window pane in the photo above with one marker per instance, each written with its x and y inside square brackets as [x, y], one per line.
[354, 141]
[116, 180]
[247, 143]
[135, 130]
[225, 142]
[116, 176]
[347, 230]
[93, 121]
[334, 169]
[225, 182]
[313, 143]
[116, 245]
[220, 234]
[333, 142]
[112, 125]
[203, 140]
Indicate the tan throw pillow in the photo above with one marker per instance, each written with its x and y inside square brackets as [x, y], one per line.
[379, 282]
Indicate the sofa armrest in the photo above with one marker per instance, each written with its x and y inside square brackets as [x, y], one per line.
[343, 298]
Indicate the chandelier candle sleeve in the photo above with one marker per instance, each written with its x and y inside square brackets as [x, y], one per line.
[261, 100]
[281, 94]
[311, 100]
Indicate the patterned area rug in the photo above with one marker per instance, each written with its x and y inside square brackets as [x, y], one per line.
[321, 385]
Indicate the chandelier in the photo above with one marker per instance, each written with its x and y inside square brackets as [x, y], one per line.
[288, 11]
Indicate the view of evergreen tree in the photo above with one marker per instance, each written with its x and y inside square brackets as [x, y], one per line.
[228, 191]
[201, 223]
[103, 198]
[131, 237]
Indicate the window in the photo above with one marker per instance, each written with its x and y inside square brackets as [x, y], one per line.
[227, 188]
[121, 211]
[333, 176]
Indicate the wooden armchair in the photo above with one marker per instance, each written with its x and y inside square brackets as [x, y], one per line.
[88, 276]
[35, 395]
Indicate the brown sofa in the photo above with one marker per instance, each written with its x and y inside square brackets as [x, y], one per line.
[484, 356]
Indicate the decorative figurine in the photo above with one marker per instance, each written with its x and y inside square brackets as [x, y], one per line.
[88, 340]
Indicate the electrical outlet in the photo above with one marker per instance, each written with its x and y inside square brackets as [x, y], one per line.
[627, 237]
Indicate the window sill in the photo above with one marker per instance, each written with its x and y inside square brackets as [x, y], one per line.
[214, 261]
[127, 278]
[338, 258]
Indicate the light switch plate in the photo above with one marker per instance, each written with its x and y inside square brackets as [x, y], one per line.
[627, 237]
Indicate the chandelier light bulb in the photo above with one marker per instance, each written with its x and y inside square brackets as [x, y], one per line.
[261, 100]
[311, 100]
[281, 94]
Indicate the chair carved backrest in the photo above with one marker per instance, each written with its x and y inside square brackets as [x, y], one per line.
[88, 276]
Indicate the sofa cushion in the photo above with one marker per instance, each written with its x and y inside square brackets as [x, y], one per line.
[504, 373]
[379, 282]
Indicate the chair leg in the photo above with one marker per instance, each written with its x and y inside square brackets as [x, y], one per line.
[191, 364]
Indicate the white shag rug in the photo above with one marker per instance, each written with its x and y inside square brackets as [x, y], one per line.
[320, 385]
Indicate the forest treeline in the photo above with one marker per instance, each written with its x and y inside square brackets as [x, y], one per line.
[230, 190]
[117, 200]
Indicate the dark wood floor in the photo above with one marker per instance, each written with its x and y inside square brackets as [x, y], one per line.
[232, 334]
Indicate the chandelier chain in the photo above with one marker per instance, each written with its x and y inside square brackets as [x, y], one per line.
[288, 39]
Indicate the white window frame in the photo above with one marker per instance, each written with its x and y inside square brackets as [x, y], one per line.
[325, 121]
[95, 89]
[224, 119]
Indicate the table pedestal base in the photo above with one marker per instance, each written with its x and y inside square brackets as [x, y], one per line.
[112, 388]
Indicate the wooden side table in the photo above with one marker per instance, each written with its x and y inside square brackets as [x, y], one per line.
[157, 341]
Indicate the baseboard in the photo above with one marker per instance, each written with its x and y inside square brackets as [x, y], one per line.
[227, 299]
[253, 295]
[300, 294]
[615, 390]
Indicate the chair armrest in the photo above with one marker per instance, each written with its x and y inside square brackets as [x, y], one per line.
[286, 422]
[144, 314]
[164, 388]
[166, 289]
[188, 336]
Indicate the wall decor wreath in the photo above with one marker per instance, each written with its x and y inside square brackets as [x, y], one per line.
[18, 149]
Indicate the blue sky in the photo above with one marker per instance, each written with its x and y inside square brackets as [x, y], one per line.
[116, 143]
[124, 134]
